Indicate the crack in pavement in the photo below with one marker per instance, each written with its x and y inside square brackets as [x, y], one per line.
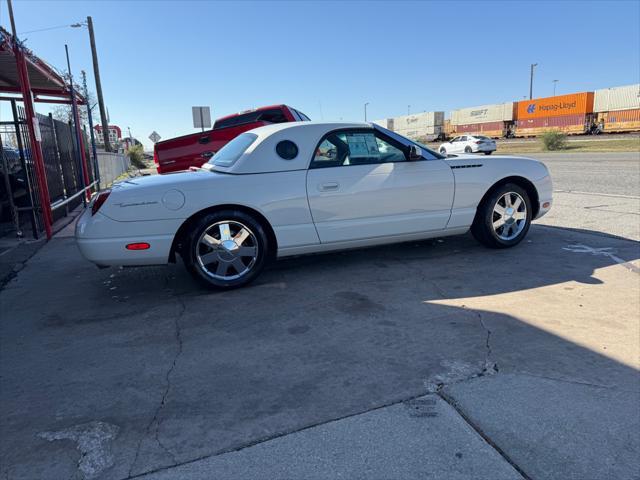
[156, 417]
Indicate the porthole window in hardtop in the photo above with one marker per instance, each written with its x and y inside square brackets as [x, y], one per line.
[287, 149]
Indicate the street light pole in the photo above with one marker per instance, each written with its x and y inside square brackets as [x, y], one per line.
[96, 74]
[408, 109]
[365, 111]
[555, 82]
[533, 65]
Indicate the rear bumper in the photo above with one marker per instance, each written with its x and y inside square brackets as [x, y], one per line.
[486, 148]
[111, 250]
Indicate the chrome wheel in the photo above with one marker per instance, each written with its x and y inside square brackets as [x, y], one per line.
[227, 250]
[509, 216]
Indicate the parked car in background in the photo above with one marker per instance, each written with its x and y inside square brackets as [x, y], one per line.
[309, 187]
[469, 144]
[193, 150]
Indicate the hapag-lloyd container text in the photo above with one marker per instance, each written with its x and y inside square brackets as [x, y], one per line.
[573, 104]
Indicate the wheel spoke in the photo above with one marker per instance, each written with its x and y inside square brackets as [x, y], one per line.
[208, 258]
[520, 215]
[498, 223]
[222, 268]
[517, 203]
[247, 252]
[210, 241]
[507, 199]
[499, 209]
[225, 232]
[241, 236]
[238, 265]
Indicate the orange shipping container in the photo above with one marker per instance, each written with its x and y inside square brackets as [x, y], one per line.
[572, 104]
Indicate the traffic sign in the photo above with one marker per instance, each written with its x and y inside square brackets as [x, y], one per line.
[154, 137]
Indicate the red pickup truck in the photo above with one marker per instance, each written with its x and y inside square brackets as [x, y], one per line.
[193, 150]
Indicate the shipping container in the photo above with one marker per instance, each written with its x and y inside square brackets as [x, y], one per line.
[501, 112]
[447, 128]
[424, 134]
[384, 123]
[569, 124]
[617, 98]
[561, 105]
[620, 121]
[419, 120]
[489, 129]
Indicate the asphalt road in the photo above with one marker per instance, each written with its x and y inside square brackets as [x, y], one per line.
[437, 359]
[598, 192]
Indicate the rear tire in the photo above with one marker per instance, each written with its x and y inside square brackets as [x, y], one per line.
[226, 249]
[488, 153]
[467, 150]
[503, 218]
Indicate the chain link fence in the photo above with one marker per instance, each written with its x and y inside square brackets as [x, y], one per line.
[111, 166]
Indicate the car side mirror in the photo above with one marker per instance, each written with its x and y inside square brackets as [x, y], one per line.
[415, 152]
[203, 140]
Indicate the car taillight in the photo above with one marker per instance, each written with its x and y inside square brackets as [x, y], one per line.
[478, 142]
[99, 200]
[155, 155]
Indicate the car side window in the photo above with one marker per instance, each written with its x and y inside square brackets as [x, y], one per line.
[355, 148]
[455, 139]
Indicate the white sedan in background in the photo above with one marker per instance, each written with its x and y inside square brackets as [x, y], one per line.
[296, 188]
[469, 144]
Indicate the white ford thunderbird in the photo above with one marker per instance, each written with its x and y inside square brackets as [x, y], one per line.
[298, 188]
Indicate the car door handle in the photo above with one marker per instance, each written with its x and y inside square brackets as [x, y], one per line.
[328, 187]
[208, 154]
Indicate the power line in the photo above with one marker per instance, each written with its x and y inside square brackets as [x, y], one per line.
[45, 29]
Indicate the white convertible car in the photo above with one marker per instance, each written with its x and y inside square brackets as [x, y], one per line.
[297, 188]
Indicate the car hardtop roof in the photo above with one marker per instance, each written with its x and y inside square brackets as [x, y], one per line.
[277, 127]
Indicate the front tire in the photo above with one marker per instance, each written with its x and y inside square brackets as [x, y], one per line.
[489, 152]
[503, 218]
[226, 249]
[443, 151]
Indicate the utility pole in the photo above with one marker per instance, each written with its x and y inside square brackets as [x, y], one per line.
[365, 111]
[408, 109]
[96, 170]
[96, 73]
[555, 82]
[533, 65]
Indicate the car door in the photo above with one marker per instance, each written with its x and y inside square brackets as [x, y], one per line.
[361, 185]
[455, 145]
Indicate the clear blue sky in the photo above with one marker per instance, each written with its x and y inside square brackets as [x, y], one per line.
[158, 58]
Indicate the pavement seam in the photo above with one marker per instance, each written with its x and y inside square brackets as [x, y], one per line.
[275, 437]
[156, 416]
[451, 402]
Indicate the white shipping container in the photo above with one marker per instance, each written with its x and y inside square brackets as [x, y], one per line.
[384, 123]
[415, 133]
[500, 112]
[419, 120]
[617, 98]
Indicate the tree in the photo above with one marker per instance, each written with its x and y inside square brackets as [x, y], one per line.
[63, 112]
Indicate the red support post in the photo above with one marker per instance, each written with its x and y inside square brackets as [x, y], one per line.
[34, 137]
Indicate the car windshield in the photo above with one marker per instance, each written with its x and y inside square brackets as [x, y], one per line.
[232, 151]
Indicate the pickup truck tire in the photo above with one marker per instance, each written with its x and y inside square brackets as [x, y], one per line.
[226, 249]
[503, 218]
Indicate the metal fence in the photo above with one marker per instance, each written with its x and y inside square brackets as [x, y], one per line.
[111, 166]
[19, 195]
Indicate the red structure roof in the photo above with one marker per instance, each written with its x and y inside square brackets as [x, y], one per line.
[45, 81]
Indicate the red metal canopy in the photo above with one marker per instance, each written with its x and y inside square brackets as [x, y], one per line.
[44, 80]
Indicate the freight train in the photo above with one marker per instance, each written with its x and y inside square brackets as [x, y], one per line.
[608, 110]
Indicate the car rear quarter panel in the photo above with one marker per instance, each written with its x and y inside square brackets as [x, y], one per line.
[280, 197]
